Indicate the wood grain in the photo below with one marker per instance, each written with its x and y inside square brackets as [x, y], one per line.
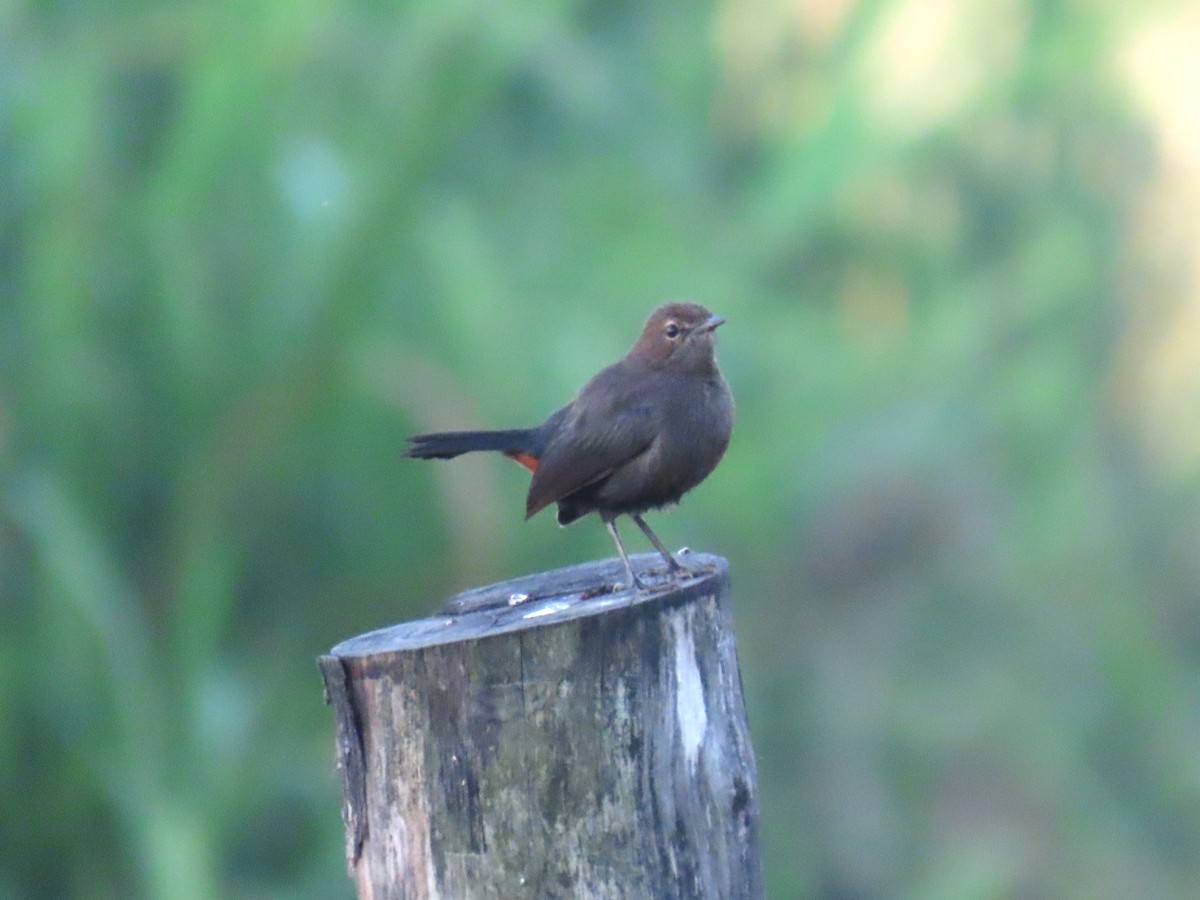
[549, 737]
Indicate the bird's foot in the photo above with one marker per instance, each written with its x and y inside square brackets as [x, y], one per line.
[656, 578]
[662, 579]
[676, 569]
[647, 583]
[634, 583]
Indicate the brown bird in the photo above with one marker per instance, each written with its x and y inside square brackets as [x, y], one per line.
[638, 436]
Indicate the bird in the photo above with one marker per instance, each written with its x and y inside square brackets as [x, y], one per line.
[638, 436]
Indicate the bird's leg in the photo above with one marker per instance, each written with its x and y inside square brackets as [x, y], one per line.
[672, 565]
[634, 582]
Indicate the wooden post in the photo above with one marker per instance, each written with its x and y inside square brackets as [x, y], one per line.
[548, 737]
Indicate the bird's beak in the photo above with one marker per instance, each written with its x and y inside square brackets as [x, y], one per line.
[710, 323]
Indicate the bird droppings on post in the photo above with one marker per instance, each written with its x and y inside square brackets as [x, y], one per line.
[489, 610]
[549, 609]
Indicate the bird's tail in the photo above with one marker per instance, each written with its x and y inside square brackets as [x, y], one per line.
[449, 444]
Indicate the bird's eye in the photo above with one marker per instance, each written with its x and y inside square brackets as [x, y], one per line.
[672, 330]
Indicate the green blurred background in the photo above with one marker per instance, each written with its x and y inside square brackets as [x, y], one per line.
[246, 247]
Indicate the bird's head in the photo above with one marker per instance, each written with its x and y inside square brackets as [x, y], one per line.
[679, 337]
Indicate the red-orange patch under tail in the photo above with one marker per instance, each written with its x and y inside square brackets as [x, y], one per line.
[524, 459]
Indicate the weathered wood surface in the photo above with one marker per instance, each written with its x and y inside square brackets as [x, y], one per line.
[548, 737]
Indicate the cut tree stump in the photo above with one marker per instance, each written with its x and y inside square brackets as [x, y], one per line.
[551, 737]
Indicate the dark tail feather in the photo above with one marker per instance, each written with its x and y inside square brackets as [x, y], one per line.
[449, 444]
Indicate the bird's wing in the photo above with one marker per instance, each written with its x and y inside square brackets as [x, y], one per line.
[605, 428]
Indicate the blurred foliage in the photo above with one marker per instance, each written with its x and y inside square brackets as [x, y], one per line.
[247, 247]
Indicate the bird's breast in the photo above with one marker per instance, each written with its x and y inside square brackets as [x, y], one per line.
[695, 433]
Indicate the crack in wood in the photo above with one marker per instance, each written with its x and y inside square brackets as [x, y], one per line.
[351, 756]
